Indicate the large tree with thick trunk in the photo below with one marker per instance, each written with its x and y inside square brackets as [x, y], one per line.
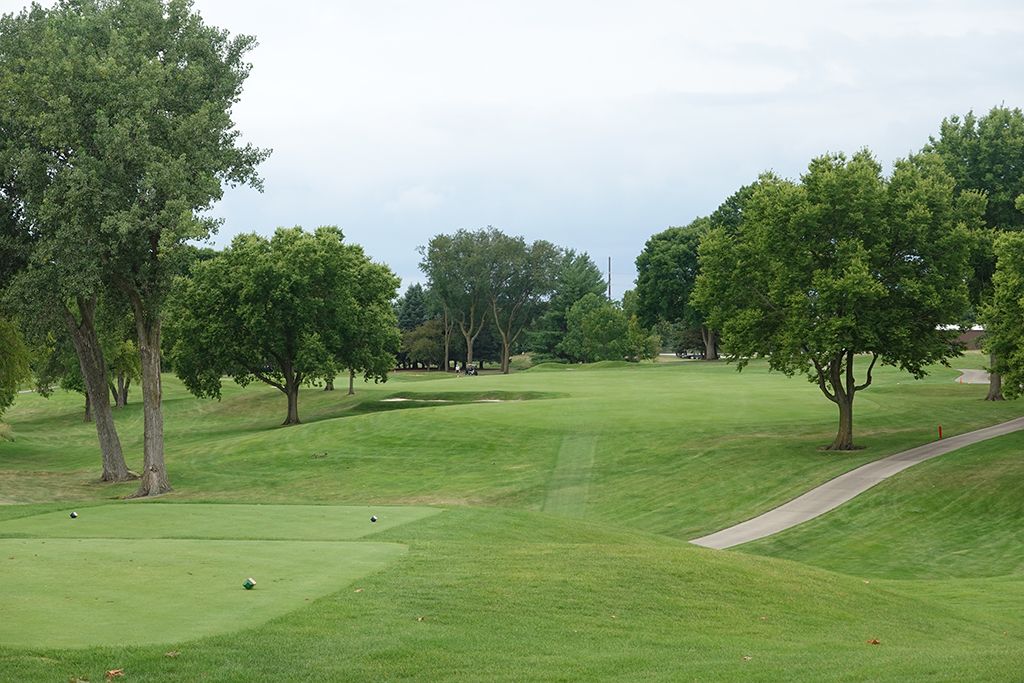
[60, 309]
[458, 270]
[284, 311]
[122, 116]
[986, 154]
[522, 278]
[844, 265]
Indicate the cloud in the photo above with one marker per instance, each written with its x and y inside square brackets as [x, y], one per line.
[415, 200]
[591, 123]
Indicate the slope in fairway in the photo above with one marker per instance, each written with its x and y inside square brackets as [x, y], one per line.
[101, 591]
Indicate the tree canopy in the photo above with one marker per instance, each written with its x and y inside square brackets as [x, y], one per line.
[118, 125]
[1003, 314]
[284, 311]
[986, 155]
[14, 363]
[843, 263]
[667, 270]
[522, 277]
[576, 275]
[458, 270]
[598, 330]
[411, 308]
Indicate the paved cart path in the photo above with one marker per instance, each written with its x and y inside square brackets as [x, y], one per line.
[834, 493]
[973, 377]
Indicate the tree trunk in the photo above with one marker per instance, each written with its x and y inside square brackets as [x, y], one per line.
[506, 350]
[844, 437]
[329, 386]
[838, 373]
[292, 392]
[94, 373]
[154, 480]
[469, 348]
[351, 382]
[710, 338]
[121, 399]
[88, 409]
[995, 382]
[447, 340]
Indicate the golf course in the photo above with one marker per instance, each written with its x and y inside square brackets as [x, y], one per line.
[530, 526]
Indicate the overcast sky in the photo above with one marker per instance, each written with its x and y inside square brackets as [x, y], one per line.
[592, 124]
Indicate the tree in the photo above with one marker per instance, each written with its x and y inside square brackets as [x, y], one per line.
[424, 344]
[375, 338]
[667, 269]
[599, 330]
[1003, 314]
[986, 154]
[843, 263]
[59, 306]
[458, 272]
[284, 311]
[576, 276]
[50, 283]
[411, 308]
[14, 363]
[123, 137]
[522, 276]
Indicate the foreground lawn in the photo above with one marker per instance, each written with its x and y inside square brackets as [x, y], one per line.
[502, 595]
[90, 575]
[568, 495]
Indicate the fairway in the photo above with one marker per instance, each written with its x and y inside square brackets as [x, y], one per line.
[540, 538]
[138, 573]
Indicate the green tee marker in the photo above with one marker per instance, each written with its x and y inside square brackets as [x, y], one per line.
[249, 584]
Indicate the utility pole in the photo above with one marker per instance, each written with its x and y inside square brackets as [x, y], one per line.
[609, 278]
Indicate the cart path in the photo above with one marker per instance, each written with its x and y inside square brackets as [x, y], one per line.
[834, 493]
[567, 488]
[973, 377]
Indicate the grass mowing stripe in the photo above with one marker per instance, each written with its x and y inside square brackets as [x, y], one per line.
[570, 481]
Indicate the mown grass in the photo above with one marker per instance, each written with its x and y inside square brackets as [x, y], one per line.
[561, 554]
[959, 516]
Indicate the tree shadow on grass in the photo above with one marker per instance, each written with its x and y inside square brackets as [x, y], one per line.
[406, 400]
[321, 410]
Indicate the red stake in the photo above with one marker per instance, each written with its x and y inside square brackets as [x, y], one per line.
[940, 431]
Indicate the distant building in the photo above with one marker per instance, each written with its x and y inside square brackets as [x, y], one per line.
[971, 339]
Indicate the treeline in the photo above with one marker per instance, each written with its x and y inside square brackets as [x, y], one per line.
[490, 296]
[845, 262]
